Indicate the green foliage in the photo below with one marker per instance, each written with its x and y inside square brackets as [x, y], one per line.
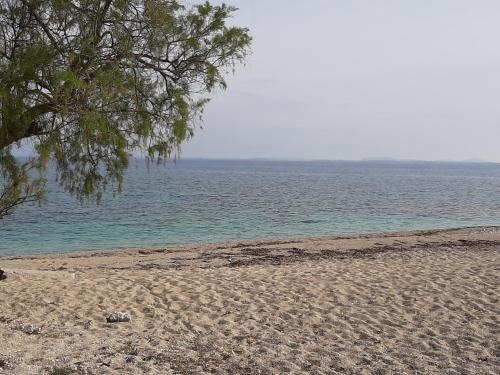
[19, 185]
[90, 82]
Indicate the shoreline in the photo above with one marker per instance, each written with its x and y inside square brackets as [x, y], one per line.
[250, 242]
[247, 253]
[405, 302]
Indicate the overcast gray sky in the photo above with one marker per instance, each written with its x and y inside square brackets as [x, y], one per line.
[352, 79]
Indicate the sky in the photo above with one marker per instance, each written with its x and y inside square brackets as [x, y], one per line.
[356, 79]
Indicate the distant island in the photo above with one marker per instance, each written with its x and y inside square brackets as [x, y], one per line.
[388, 159]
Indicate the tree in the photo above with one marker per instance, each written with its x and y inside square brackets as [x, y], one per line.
[89, 82]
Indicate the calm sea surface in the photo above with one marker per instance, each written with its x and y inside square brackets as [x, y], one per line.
[196, 201]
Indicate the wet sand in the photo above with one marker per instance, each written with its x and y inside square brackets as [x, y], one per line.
[400, 303]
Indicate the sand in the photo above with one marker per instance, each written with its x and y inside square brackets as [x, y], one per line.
[404, 303]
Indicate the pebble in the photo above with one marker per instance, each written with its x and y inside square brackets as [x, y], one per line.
[6, 363]
[31, 329]
[118, 317]
[3, 276]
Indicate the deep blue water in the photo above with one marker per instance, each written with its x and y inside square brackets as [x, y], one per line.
[196, 201]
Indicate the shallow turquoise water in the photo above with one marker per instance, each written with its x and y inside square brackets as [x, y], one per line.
[196, 201]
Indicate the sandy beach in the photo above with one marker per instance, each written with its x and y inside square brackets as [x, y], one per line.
[402, 303]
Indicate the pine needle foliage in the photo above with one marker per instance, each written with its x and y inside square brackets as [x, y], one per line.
[90, 82]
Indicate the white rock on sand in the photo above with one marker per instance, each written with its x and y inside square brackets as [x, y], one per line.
[118, 317]
[31, 329]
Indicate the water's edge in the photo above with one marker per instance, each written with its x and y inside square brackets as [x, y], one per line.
[250, 242]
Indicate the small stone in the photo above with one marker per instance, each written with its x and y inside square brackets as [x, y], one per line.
[6, 363]
[3, 276]
[118, 317]
[130, 359]
[31, 329]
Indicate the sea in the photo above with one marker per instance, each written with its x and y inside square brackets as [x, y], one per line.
[198, 201]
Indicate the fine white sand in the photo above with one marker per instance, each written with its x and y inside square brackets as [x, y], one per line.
[406, 303]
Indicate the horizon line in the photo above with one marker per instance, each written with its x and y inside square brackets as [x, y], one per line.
[287, 159]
